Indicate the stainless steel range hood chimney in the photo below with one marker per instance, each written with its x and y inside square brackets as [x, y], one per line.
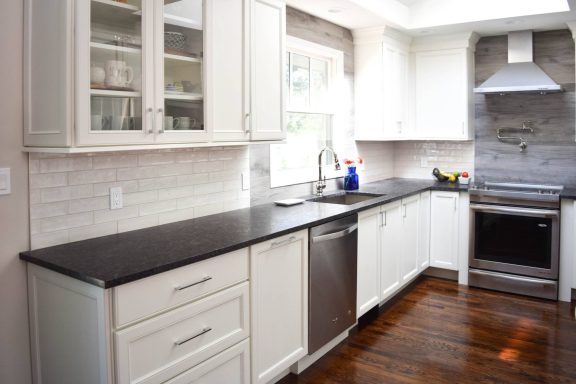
[520, 75]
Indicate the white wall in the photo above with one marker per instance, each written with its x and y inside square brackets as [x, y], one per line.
[14, 341]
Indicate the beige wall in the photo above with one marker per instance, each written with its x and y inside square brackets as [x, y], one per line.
[14, 342]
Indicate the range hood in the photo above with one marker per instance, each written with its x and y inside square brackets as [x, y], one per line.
[520, 75]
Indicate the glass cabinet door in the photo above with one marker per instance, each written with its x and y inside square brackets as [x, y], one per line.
[116, 66]
[183, 83]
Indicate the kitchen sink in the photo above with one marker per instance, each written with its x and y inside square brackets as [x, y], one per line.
[345, 198]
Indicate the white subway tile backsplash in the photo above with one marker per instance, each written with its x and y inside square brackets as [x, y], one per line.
[115, 215]
[49, 239]
[156, 158]
[157, 183]
[65, 164]
[40, 211]
[103, 189]
[157, 207]
[173, 216]
[140, 198]
[137, 223]
[174, 193]
[49, 195]
[192, 156]
[91, 231]
[118, 161]
[59, 223]
[89, 205]
[69, 194]
[48, 180]
[92, 176]
[205, 189]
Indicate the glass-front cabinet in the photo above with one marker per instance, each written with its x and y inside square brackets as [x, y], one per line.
[127, 73]
[181, 98]
[140, 72]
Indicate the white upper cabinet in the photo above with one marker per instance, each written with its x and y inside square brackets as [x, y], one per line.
[121, 73]
[381, 81]
[442, 94]
[247, 86]
[418, 89]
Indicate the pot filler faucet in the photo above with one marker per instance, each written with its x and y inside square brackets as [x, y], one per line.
[322, 181]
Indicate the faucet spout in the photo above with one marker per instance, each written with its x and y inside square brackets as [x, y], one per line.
[322, 180]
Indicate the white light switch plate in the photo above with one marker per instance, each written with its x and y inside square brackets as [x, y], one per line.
[5, 184]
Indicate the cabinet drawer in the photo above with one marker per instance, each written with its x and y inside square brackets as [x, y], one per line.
[230, 367]
[154, 294]
[160, 348]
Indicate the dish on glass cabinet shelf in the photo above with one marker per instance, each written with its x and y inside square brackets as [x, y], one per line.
[105, 87]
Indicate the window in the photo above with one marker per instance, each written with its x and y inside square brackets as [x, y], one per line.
[313, 74]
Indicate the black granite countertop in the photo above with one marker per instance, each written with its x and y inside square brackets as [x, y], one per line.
[568, 193]
[113, 260]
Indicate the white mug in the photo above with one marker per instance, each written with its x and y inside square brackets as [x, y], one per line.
[171, 123]
[187, 123]
[118, 74]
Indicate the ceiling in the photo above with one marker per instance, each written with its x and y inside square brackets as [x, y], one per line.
[425, 17]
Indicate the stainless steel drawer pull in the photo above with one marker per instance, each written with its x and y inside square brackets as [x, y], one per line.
[193, 284]
[279, 243]
[202, 332]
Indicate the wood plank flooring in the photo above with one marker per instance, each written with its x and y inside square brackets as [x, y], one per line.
[440, 332]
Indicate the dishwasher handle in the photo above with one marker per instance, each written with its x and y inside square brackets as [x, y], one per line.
[335, 235]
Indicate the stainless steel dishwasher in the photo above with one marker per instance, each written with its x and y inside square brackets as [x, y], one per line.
[332, 285]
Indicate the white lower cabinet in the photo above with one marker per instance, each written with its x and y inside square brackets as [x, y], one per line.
[160, 348]
[279, 302]
[390, 243]
[187, 325]
[444, 230]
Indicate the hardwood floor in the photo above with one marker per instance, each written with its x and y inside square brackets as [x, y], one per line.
[440, 332]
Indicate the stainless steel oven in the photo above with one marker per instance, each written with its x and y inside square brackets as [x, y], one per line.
[515, 238]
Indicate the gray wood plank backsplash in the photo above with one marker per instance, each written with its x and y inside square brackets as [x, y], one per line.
[551, 154]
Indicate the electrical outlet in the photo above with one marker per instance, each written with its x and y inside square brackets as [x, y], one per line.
[5, 188]
[116, 201]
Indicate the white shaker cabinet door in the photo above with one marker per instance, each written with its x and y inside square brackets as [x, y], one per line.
[279, 299]
[444, 230]
[268, 55]
[228, 90]
[390, 249]
[229, 367]
[409, 238]
[424, 232]
[368, 272]
[441, 94]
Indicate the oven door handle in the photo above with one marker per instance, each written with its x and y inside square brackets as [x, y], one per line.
[518, 210]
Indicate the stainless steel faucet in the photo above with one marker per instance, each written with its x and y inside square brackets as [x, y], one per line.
[321, 184]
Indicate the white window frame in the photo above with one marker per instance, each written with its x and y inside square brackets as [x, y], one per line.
[335, 85]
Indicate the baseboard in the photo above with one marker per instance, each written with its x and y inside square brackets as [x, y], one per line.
[441, 273]
[307, 361]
